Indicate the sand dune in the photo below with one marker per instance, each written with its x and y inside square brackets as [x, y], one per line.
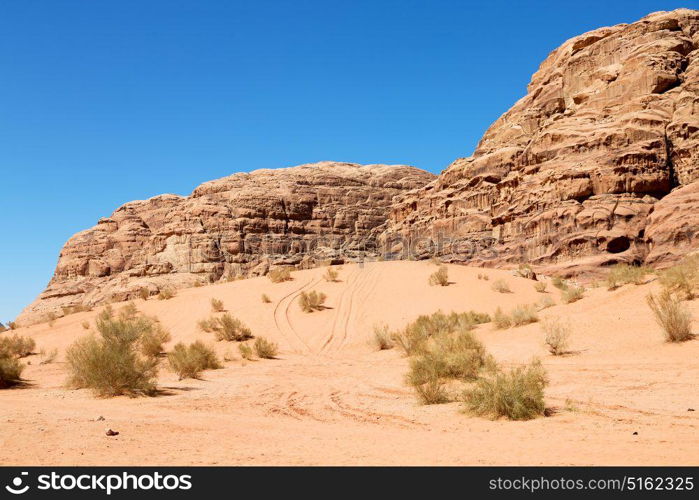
[332, 398]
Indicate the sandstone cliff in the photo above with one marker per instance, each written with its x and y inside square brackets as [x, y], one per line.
[235, 226]
[597, 164]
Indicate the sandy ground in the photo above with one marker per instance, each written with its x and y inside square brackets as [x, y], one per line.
[331, 398]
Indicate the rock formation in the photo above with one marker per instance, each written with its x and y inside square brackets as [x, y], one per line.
[597, 164]
[235, 226]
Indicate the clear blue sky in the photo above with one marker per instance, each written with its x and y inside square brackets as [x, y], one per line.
[103, 102]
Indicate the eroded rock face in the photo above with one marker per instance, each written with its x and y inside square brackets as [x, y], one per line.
[235, 226]
[570, 176]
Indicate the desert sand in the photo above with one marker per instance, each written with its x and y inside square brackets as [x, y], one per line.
[623, 398]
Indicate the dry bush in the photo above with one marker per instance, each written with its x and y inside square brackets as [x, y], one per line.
[78, 308]
[413, 337]
[265, 349]
[572, 294]
[47, 357]
[279, 274]
[198, 284]
[129, 311]
[621, 274]
[559, 283]
[525, 271]
[167, 293]
[682, 278]
[672, 316]
[331, 275]
[16, 346]
[217, 305]
[440, 277]
[557, 335]
[85, 325]
[245, 351]
[144, 293]
[312, 301]
[10, 371]
[545, 302]
[190, 361]
[517, 394]
[112, 364]
[226, 327]
[540, 286]
[432, 393]
[501, 286]
[151, 342]
[524, 314]
[383, 337]
[266, 299]
[501, 320]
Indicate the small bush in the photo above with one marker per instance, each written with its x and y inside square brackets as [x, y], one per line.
[559, 283]
[152, 341]
[144, 293]
[571, 294]
[525, 271]
[226, 327]
[78, 308]
[501, 286]
[85, 325]
[279, 274]
[440, 277]
[217, 305]
[266, 299]
[383, 337]
[413, 337]
[10, 372]
[190, 361]
[198, 284]
[312, 301]
[556, 336]
[501, 320]
[517, 394]
[540, 286]
[682, 278]
[524, 314]
[265, 349]
[432, 393]
[545, 302]
[245, 351]
[16, 346]
[330, 275]
[621, 274]
[672, 316]
[47, 357]
[167, 293]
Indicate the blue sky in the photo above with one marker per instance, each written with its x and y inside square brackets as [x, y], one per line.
[103, 102]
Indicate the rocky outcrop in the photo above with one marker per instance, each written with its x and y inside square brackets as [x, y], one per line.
[235, 226]
[586, 170]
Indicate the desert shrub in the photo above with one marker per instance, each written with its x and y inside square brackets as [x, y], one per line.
[525, 271]
[10, 371]
[78, 308]
[571, 294]
[621, 274]
[190, 361]
[540, 286]
[129, 311]
[217, 305]
[153, 339]
[166, 293]
[524, 314]
[412, 338]
[50, 318]
[432, 392]
[556, 336]
[266, 299]
[85, 325]
[682, 278]
[47, 357]
[448, 356]
[16, 346]
[265, 349]
[279, 274]
[517, 394]
[226, 327]
[245, 351]
[545, 302]
[559, 283]
[112, 363]
[672, 316]
[311, 301]
[383, 337]
[198, 284]
[440, 277]
[144, 293]
[486, 277]
[501, 286]
[501, 320]
[330, 275]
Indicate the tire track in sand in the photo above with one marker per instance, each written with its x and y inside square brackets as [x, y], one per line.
[282, 321]
[341, 307]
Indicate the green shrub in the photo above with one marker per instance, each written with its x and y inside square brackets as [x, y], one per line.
[279, 274]
[10, 372]
[16, 346]
[556, 336]
[517, 394]
[440, 277]
[501, 286]
[245, 351]
[571, 294]
[432, 392]
[312, 301]
[226, 327]
[501, 320]
[672, 316]
[190, 361]
[217, 305]
[152, 341]
[621, 274]
[383, 337]
[265, 349]
[414, 335]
